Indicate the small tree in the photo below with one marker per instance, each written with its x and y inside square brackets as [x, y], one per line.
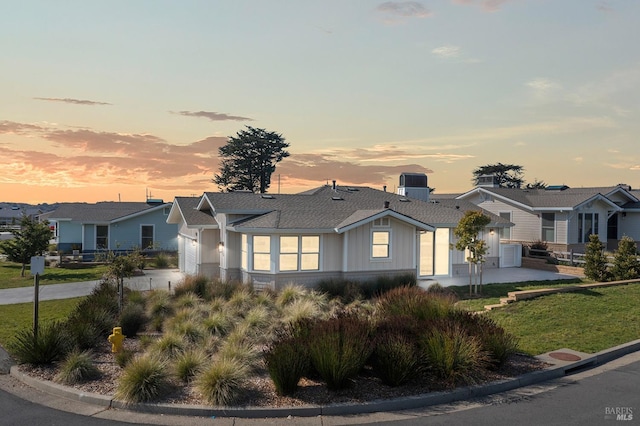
[121, 267]
[249, 159]
[32, 239]
[595, 267]
[625, 261]
[467, 231]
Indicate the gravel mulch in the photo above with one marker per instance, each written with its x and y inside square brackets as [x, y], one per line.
[260, 392]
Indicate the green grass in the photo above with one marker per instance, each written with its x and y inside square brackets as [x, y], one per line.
[491, 293]
[18, 317]
[10, 275]
[586, 321]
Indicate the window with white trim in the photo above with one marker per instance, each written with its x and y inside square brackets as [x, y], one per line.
[102, 237]
[146, 237]
[380, 244]
[383, 222]
[261, 253]
[548, 227]
[299, 253]
[587, 225]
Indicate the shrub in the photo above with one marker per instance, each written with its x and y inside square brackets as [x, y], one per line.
[345, 290]
[144, 379]
[287, 361]
[132, 319]
[416, 303]
[225, 289]
[88, 325]
[450, 353]
[161, 261]
[221, 383]
[76, 368]
[47, 346]
[189, 363]
[339, 348]
[384, 283]
[195, 284]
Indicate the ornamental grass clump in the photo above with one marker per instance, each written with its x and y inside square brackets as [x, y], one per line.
[169, 346]
[416, 303]
[144, 379]
[450, 353]
[498, 344]
[189, 363]
[287, 360]
[221, 383]
[47, 346]
[339, 348]
[217, 324]
[289, 294]
[77, 367]
[396, 357]
[132, 319]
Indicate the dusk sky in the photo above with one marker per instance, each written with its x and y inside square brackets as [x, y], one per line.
[113, 100]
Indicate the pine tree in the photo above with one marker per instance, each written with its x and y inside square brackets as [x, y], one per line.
[595, 267]
[626, 265]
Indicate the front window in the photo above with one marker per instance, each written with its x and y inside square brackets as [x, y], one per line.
[300, 253]
[549, 227]
[146, 237]
[380, 244]
[261, 253]
[102, 237]
[587, 225]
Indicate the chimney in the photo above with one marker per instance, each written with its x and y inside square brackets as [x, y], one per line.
[386, 204]
[334, 185]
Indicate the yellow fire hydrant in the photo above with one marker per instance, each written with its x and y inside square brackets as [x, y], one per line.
[116, 339]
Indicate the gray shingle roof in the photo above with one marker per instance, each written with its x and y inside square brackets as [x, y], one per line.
[325, 208]
[552, 199]
[190, 213]
[100, 212]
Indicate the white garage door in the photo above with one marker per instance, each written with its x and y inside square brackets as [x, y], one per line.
[190, 257]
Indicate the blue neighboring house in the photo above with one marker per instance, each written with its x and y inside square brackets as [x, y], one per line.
[114, 226]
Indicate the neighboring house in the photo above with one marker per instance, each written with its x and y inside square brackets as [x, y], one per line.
[328, 232]
[562, 217]
[113, 226]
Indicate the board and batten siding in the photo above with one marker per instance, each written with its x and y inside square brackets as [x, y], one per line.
[402, 248]
[527, 226]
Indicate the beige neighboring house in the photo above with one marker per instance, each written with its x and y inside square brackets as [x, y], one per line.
[562, 217]
[328, 232]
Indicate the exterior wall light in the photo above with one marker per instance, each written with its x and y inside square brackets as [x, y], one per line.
[491, 231]
[221, 246]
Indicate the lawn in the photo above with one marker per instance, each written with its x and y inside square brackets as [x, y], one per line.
[20, 316]
[491, 293]
[587, 320]
[10, 275]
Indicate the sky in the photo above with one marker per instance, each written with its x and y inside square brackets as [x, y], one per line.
[124, 100]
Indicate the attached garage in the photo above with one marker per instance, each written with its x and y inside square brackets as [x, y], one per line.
[190, 256]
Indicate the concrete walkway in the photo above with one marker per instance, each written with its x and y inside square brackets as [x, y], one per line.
[152, 279]
[501, 275]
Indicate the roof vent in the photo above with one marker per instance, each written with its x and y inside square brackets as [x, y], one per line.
[386, 204]
[267, 196]
[404, 200]
[154, 201]
[352, 189]
[337, 198]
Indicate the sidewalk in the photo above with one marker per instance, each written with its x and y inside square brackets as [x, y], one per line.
[152, 279]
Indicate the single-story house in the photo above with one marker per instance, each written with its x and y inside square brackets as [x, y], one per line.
[328, 232]
[113, 226]
[561, 216]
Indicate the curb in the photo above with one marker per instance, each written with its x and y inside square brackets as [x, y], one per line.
[397, 404]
